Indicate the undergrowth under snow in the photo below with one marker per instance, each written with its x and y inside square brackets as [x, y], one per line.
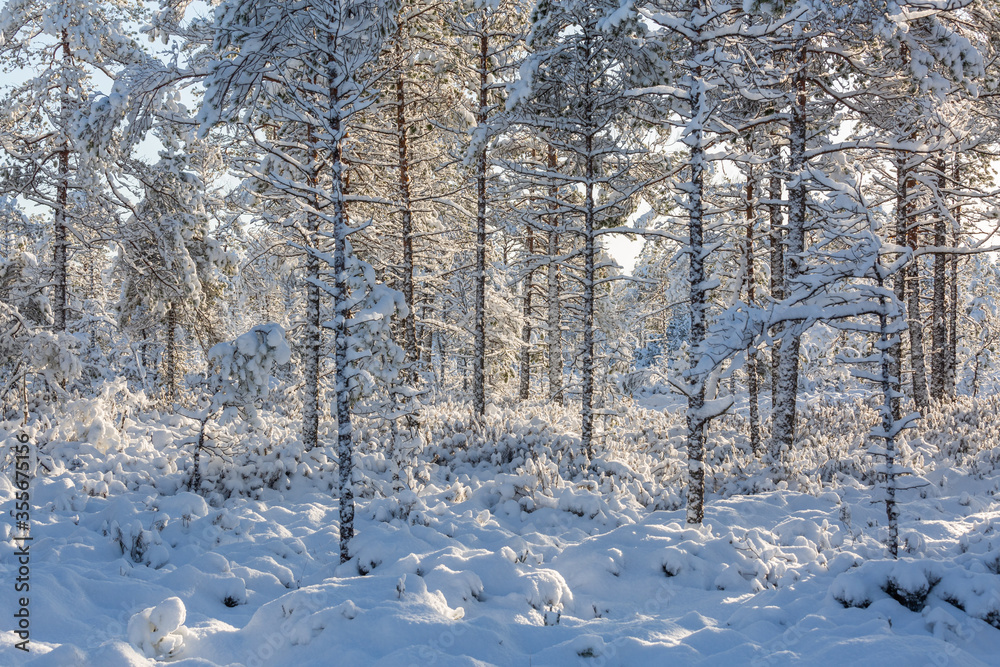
[500, 545]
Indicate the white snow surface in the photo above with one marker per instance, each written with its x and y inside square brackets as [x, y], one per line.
[459, 572]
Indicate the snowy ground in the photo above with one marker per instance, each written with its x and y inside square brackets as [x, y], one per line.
[472, 571]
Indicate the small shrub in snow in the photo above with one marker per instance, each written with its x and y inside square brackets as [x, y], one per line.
[910, 587]
[159, 632]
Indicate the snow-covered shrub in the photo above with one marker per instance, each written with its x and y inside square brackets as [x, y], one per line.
[244, 368]
[961, 583]
[159, 632]
[241, 377]
[750, 560]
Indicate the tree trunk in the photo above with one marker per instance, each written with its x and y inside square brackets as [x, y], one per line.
[342, 313]
[479, 354]
[890, 418]
[918, 376]
[939, 325]
[554, 333]
[777, 257]
[313, 333]
[60, 259]
[785, 412]
[899, 278]
[951, 353]
[524, 389]
[405, 209]
[171, 352]
[695, 418]
[752, 380]
[587, 360]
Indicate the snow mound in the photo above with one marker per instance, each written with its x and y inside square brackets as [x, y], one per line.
[159, 631]
[916, 584]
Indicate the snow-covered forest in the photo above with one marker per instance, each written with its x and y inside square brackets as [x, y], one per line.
[321, 343]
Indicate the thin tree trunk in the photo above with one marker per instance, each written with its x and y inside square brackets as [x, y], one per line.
[554, 307]
[939, 325]
[785, 408]
[951, 353]
[524, 389]
[426, 338]
[313, 334]
[60, 257]
[194, 484]
[695, 417]
[341, 316]
[171, 352]
[752, 380]
[918, 368]
[890, 417]
[587, 361]
[405, 209]
[777, 257]
[899, 279]
[479, 354]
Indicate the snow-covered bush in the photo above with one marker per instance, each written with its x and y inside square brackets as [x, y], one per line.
[159, 632]
[243, 368]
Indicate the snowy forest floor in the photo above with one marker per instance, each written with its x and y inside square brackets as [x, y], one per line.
[487, 555]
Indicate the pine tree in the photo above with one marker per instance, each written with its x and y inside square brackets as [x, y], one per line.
[47, 162]
[170, 260]
[489, 35]
[264, 48]
[573, 92]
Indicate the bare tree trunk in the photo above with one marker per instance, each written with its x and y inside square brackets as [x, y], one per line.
[785, 412]
[752, 380]
[939, 325]
[405, 208]
[426, 338]
[695, 417]
[313, 333]
[524, 389]
[554, 306]
[951, 353]
[171, 352]
[890, 419]
[345, 447]
[60, 305]
[777, 257]
[587, 360]
[918, 368]
[899, 279]
[479, 354]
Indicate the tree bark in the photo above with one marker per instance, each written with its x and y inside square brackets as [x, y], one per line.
[524, 389]
[313, 333]
[785, 406]
[939, 324]
[695, 418]
[752, 379]
[479, 354]
[60, 259]
[341, 315]
[777, 257]
[918, 376]
[951, 352]
[589, 250]
[554, 333]
[405, 209]
[171, 352]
